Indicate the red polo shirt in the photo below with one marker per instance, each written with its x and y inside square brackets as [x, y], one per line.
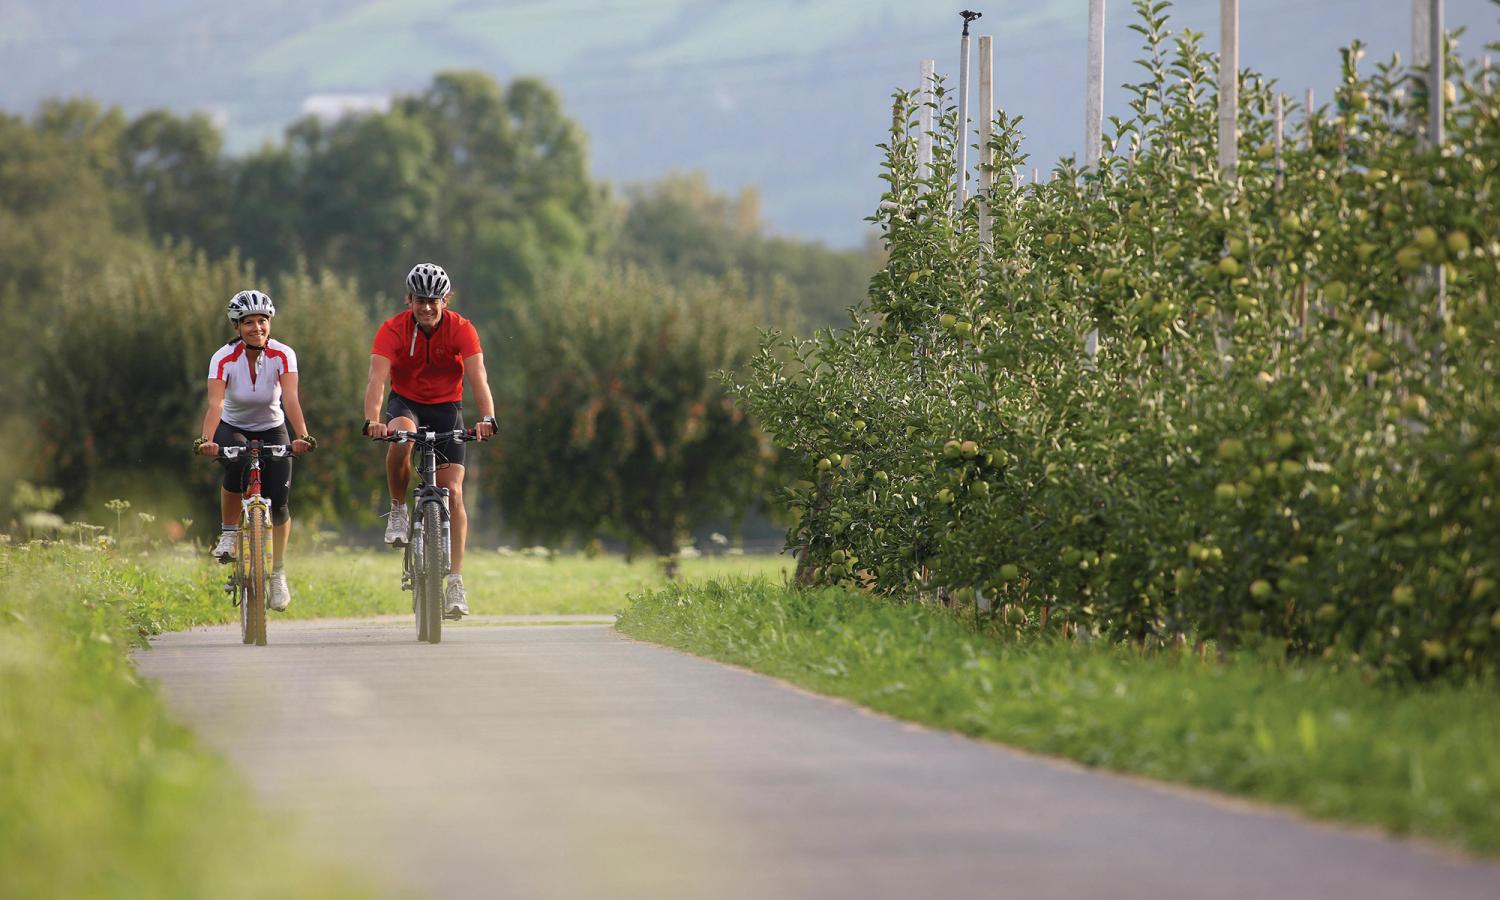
[427, 368]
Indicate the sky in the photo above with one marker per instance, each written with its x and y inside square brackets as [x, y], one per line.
[789, 97]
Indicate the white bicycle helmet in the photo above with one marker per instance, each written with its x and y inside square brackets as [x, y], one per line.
[428, 280]
[250, 303]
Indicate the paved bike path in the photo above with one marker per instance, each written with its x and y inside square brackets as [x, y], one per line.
[568, 761]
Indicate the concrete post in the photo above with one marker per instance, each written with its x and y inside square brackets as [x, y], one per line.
[986, 129]
[1229, 86]
[925, 97]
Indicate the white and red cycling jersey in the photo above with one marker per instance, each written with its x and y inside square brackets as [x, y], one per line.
[252, 394]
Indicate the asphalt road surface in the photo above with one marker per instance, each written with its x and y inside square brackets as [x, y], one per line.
[528, 760]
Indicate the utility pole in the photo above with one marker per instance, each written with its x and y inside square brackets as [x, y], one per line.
[963, 112]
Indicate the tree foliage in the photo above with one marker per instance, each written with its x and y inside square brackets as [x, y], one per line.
[1281, 438]
[683, 228]
[613, 421]
[121, 363]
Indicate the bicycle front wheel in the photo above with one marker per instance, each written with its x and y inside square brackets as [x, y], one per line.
[414, 583]
[432, 572]
[257, 572]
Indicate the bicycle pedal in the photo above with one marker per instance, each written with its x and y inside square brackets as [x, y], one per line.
[453, 616]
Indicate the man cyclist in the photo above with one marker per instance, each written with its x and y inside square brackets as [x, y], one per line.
[427, 352]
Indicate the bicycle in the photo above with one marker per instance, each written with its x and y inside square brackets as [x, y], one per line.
[429, 550]
[249, 580]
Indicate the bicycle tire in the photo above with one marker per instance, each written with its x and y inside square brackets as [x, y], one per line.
[432, 574]
[413, 564]
[241, 583]
[257, 572]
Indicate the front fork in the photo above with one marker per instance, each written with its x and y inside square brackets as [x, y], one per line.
[415, 547]
[242, 547]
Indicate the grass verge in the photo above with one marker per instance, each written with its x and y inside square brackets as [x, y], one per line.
[347, 582]
[102, 795]
[360, 582]
[1411, 760]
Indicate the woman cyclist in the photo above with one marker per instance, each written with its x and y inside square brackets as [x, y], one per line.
[251, 380]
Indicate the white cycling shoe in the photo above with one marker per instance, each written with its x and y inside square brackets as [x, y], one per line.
[281, 594]
[455, 602]
[397, 526]
[224, 550]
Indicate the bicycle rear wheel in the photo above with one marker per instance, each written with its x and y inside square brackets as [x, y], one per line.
[432, 573]
[257, 572]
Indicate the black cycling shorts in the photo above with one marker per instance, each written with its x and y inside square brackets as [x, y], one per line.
[275, 474]
[436, 416]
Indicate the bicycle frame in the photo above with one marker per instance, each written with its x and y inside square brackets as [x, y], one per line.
[419, 574]
[426, 491]
[240, 584]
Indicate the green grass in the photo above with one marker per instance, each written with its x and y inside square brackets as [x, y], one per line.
[100, 794]
[1412, 760]
[358, 583]
[345, 582]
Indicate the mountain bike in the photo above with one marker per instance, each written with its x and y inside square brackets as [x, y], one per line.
[250, 578]
[429, 548]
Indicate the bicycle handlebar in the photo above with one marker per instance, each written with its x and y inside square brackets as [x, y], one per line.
[428, 436]
[236, 451]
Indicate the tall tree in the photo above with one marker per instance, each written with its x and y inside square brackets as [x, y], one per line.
[269, 211]
[516, 199]
[173, 167]
[370, 194]
[683, 228]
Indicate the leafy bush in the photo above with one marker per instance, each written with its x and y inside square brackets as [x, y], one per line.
[612, 418]
[120, 366]
[1281, 438]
